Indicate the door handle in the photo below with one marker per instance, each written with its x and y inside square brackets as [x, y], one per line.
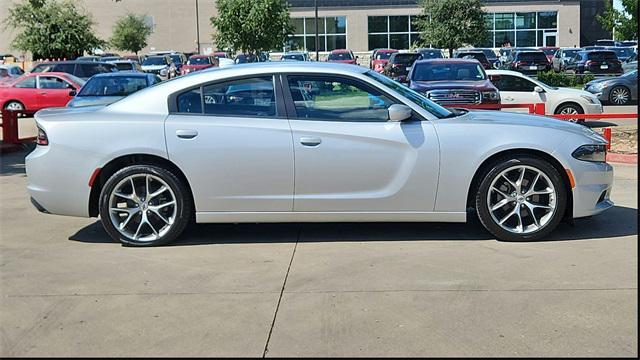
[310, 141]
[186, 134]
[508, 98]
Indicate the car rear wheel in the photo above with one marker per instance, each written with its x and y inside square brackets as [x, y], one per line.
[14, 105]
[619, 95]
[521, 199]
[570, 109]
[144, 205]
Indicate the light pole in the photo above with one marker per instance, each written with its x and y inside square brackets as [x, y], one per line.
[198, 26]
[315, 4]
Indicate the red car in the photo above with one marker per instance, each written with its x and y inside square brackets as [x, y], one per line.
[380, 58]
[344, 56]
[35, 91]
[198, 62]
[549, 52]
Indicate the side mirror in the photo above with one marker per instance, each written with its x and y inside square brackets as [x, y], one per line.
[538, 89]
[73, 93]
[399, 112]
[357, 57]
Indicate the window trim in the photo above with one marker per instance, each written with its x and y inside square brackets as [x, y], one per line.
[172, 99]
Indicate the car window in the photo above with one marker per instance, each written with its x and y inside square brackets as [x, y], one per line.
[51, 82]
[88, 70]
[28, 83]
[65, 68]
[337, 99]
[447, 71]
[513, 83]
[43, 68]
[190, 102]
[113, 86]
[243, 97]
[125, 66]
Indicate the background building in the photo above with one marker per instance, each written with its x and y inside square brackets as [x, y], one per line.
[360, 25]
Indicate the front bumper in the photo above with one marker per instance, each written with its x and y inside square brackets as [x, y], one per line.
[592, 192]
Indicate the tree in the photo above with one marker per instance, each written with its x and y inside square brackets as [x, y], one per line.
[624, 24]
[450, 24]
[51, 28]
[130, 33]
[251, 26]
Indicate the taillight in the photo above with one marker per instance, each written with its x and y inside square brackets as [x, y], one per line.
[518, 63]
[589, 62]
[42, 138]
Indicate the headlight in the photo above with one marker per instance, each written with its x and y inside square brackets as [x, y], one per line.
[593, 153]
[590, 99]
[163, 72]
[492, 95]
[598, 86]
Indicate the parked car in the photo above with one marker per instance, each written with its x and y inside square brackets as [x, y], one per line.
[32, 92]
[344, 56]
[606, 42]
[295, 56]
[623, 53]
[478, 55]
[631, 63]
[358, 147]
[199, 62]
[88, 58]
[621, 90]
[379, 58]
[11, 71]
[429, 53]
[595, 62]
[160, 65]
[104, 89]
[562, 56]
[399, 65]
[127, 65]
[507, 53]
[82, 69]
[178, 60]
[490, 55]
[549, 52]
[527, 62]
[517, 88]
[454, 82]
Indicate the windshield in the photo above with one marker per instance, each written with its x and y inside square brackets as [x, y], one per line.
[293, 57]
[448, 72]
[383, 55]
[405, 58]
[199, 61]
[155, 60]
[176, 59]
[469, 55]
[113, 86]
[75, 79]
[340, 56]
[433, 108]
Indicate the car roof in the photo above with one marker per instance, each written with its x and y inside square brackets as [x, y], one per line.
[340, 50]
[122, 74]
[71, 62]
[504, 72]
[447, 61]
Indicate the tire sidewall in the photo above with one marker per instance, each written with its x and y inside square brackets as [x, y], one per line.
[183, 203]
[483, 210]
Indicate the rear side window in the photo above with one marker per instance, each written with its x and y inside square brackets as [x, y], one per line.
[190, 102]
[51, 82]
[244, 97]
[513, 83]
[28, 83]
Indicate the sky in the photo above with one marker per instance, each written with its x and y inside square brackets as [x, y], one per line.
[617, 4]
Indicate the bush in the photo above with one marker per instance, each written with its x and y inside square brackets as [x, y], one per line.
[564, 80]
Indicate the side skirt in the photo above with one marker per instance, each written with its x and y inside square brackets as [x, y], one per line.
[267, 217]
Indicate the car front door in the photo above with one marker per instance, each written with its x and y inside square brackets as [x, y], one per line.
[233, 142]
[517, 90]
[53, 91]
[349, 157]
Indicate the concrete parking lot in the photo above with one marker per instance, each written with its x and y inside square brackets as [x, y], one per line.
[66, 289]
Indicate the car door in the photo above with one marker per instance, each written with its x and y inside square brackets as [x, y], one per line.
[349, 157]
[233, 142]
[517, 90]
[53, 91]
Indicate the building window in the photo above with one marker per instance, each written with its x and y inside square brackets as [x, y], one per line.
[395, 32]
[332, 33]
[521, 29]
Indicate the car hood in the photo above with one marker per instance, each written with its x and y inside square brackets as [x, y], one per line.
[153, 67]
[449, 84]
[593, 82]
[80, 101]
[573, 92]
[510, 118]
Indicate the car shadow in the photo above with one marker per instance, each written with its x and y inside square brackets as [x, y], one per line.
[13, 163]
[594, 124]
[618, 221]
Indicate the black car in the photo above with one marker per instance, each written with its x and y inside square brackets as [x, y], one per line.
[595, 62]
[473, 54]
[81, 69]
[527, 62]
[491, 55]
[399, 65]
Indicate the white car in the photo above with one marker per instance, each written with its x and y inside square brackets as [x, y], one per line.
[160, 65]
[517, 88]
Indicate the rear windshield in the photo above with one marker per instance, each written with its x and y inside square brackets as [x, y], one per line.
[623, 52]
[155, 60]
[443, 72]
[532, 56]
[124, 66]
[602, 55]
[383, 55]
[405, 58]
[293, 57]
[199, 61]
[469, 55]
[431, 54]
[113, 86]
[340, 56]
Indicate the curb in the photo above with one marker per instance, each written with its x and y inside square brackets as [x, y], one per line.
[622, 158]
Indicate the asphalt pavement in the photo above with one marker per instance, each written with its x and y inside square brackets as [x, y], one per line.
[385, 289]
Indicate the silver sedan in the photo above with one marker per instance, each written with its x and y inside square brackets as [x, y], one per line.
[287, 142]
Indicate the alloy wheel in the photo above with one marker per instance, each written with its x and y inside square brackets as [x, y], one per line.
[521, 199]
[619, 96]
[16, 106]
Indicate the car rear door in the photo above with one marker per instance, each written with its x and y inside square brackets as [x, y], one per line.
[349, 157]
[517, 90]
[232, 140]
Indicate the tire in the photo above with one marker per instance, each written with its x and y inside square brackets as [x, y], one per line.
[147, 222]
[620, 95]
[14, 105]
[521, 226]
[570, 108]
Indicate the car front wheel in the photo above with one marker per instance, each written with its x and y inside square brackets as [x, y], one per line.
[570, 109]
[144, 205]
[619, 95]
[521, 199]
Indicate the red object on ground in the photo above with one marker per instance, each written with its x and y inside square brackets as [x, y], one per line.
[607, 135]
[10, 139]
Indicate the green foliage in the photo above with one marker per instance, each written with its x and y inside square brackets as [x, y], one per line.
[563, 79]
[130, 33]
[624, 22]
[51, 28]
[251, 26]
[451, 24]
